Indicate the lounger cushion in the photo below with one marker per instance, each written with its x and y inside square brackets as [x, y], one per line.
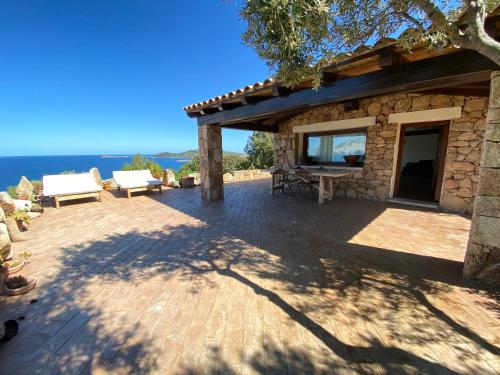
[135, 179]
[69, 184]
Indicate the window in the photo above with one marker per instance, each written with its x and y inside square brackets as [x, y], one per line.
[332, 147]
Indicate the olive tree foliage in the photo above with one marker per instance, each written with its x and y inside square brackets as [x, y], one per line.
[297, 38]
[260, 150]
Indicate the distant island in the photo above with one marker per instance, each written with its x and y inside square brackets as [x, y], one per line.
[187, 154]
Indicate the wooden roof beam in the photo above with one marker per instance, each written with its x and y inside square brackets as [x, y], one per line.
[253, 126]
[456, 69]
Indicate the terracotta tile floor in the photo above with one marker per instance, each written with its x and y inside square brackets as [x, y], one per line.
[173, 285]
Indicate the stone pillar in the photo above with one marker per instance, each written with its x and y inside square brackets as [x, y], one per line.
[211, 171]
[482, 259]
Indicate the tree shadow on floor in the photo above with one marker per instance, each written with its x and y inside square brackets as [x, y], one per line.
[125, 304]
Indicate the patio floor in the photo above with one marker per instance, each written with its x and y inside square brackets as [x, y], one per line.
[172, 284]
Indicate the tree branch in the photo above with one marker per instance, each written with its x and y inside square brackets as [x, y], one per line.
[475, 36]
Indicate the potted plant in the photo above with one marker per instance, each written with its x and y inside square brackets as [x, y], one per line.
[17, 285]
[14, 286]
[352, 160]
[22, 219]
[36, 207]
[16, 265]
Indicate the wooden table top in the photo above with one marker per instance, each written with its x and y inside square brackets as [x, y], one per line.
[323, 172]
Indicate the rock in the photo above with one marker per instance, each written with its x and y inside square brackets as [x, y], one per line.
[2, 215]
[420, 102]
[458, 144]
[24, 188]
[467, 136]
[228, 177]
[491, 273]
[474, 156]
[402, 105]
[374, 109]
[492, 131]
[489, 183]
[197, 178]
[480, 124]
[5, 245]
[441, 101]
[474, 105]
[487, 206]
[97, 176]
[388, 134]
[491, 158]
[14, 232]
[463, 127]
[464, 150]
[485, 231]
[461, 166]
[169, 179]
[451, 202]
[465, 183]
[464, 192]
[7, 202]
[450, 184]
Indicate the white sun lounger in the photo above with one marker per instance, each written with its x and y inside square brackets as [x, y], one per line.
[63, 187]
[132, 181]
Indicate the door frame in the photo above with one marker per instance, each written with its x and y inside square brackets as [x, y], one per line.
[443, 131]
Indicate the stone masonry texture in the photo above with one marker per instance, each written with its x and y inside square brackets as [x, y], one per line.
[373, 181]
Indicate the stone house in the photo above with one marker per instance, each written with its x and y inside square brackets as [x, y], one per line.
[464, 116]
[420, 127]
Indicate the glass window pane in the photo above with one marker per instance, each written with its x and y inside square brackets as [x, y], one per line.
[333, 148]
[348, 144]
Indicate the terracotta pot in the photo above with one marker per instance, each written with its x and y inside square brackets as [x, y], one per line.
[23, 226]
[351, 159]
[187, 182]
[22, 290]
[13, 270]
[23, 198]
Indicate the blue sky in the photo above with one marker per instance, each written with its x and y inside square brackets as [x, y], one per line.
[93, 77]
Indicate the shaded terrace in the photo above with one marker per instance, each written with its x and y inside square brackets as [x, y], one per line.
[251, 284]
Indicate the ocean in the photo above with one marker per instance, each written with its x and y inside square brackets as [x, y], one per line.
[34, 167]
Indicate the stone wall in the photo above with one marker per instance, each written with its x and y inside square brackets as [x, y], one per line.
[245, 175]
[210, 145]
[373, 180]
[482, 260]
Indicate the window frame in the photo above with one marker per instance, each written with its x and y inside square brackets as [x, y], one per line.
[305, 144]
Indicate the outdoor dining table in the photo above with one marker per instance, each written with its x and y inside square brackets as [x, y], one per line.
[326, 177]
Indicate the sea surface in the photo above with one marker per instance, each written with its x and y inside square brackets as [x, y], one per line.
[34, 167]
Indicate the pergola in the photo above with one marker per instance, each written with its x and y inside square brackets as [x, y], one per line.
[385, 68]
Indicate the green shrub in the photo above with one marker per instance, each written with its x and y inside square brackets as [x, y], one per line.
[140, 162]
[21, 215]
[233, 162]
[11, 190]
[37, 186]
[260, 150]
[192, 166]
[230, 163]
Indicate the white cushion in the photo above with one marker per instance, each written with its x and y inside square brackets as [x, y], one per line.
[69, 184]
[135, 179]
